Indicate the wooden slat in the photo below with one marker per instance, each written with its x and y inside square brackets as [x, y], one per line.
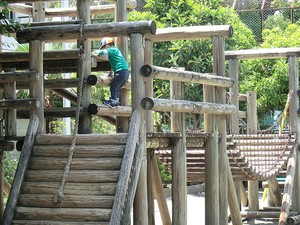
[37, 163]
[18, 76]
[58, 214]
[70, 188]
[70, 201]
[82, 139]
[83, 176]
[80, 151]
[25, 103]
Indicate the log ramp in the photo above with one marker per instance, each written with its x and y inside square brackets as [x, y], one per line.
[96, 188]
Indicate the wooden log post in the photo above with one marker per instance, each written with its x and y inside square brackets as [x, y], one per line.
[1, 152]
[219, 68]
[252, 126]
[11, 114]
[274, 192]
[288, 188]
[152, 164]
[36, 64]
[21, 169]
[234, 118]
[294, 123]
[211, 161]
[179, 180]
[138, 92]
[121, 15]
[84, 67]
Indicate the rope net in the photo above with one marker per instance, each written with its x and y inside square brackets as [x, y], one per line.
[265, 151]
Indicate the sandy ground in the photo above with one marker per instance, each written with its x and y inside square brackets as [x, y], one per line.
[196, 207]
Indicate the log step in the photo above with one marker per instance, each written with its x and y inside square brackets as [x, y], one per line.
[70, 188]
[38, 163]
[63, 214]
[86, 151]
[69, 201]
[77, 176]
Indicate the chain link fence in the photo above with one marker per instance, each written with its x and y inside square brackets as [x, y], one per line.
[259, 15]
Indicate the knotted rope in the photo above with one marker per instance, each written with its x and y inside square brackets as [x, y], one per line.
[59, 194]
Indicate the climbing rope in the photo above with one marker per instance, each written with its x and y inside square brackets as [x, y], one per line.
[59, 195]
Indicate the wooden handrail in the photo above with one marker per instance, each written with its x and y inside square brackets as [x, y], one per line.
[21, 169]
[125, 181]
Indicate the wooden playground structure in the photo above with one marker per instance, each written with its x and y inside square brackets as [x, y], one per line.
[88, 178]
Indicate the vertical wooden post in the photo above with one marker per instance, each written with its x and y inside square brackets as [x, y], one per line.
[36, 64]
[11, 114]
[1, 152]
[219, 69]
[138, 93]
[294, 123]
[252, 126]
[211, 162]
[85, 122]
[122, 43]
[233, 187]
[179, 186]
[149, 128]
[234, 118]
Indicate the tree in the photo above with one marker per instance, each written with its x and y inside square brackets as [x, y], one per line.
[269, 78]
[6, 25]
[192, 55]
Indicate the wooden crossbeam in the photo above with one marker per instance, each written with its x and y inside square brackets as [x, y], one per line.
[18, 76]
[26, 103]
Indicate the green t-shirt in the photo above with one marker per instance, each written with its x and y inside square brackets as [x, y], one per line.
[115, 58]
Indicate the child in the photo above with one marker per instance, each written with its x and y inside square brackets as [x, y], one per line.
[120, 75]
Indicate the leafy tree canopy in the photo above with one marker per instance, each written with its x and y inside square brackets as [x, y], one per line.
[192, 55]
[269, 78]
[6, 25]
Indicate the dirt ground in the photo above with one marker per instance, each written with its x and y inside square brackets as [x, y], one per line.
[196, 208]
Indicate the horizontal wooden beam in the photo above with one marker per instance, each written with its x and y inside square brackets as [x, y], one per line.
[66, 12]
[104, 81]
[47, 55]
[190, 33]
[265, 53]
[129, 3]
[162, 73]
[167, 105]
[57, 66]
[91, 31]
[103, 110]
[49, 84]
[18, 76]
[26, 103]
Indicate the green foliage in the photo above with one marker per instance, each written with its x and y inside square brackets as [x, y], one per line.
[10, 166]
[276, 21]
[6, 25]
[166, 176]
[269, 78]
[192, 55]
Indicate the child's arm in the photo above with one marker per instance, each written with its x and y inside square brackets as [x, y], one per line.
[101, 54]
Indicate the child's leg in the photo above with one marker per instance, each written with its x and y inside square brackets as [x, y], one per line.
[117, 82]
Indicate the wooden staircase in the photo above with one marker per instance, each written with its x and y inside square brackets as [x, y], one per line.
[90, 187]
[99, 188]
